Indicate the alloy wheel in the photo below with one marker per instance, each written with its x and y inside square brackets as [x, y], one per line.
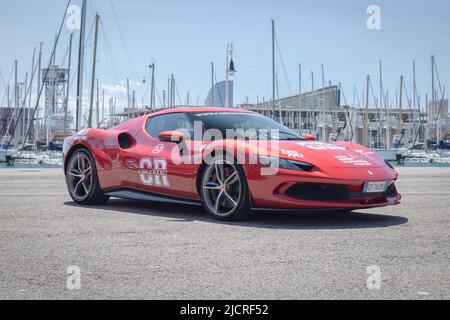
[222, 187]
[79, 176]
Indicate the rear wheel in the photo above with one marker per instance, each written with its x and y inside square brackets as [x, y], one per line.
[82, 180]
[224, 189]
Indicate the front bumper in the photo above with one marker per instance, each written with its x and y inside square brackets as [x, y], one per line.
[319, 190]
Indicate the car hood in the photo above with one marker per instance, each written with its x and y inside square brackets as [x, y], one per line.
[321, 154]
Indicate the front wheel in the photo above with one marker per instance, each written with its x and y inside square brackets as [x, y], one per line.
[82, 180]
[224, 189]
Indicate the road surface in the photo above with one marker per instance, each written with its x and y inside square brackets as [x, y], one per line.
[135, 250]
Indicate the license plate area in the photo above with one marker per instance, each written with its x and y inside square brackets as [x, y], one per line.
[375, 187]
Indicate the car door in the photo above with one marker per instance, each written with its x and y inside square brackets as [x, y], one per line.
[157, 166]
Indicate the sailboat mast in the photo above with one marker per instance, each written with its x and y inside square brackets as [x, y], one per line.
[80, 67]
[23, 99]
[97, 106]
[433, 95]
[380, 103]
[16, 93]
[172, 93]
[163, 99]
[212, 85]
[322, 104]
[312, 117]
[381, 85]
[414, 84]
[36, 123]
[103, 106]
[128, 94]
[31, 90]
[66, 106]
[366, 115]
[427, 127]
[227, 74]
[400, 110]
[300, 97]
[169, 95]
[8, 97]
[273, 69]
[414, 102]
[94, 64]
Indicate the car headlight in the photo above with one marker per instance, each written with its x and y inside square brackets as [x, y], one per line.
[389, 164]
[283, 163]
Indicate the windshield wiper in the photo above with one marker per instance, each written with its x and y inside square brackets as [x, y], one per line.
[292, 136]
[294, 139]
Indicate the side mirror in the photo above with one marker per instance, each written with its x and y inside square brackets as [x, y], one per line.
[178, 137]
[172, 136]
[309, 137]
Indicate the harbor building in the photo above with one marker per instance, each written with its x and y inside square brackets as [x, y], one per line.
[14, 122]
[216, 95]
[321, 113]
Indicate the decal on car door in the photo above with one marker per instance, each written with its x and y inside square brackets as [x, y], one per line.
[153, 172]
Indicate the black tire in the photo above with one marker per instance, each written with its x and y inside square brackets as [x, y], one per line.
[94, 195]
[241, 208]
[344, 210]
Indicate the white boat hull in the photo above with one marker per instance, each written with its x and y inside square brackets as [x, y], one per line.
[387, 154]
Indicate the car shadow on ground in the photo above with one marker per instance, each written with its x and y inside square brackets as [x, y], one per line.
[267, 219]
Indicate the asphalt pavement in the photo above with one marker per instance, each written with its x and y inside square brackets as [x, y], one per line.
[52, 249]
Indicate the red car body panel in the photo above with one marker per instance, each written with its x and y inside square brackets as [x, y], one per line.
[340, 163]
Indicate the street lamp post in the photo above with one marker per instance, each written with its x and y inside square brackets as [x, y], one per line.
[152, 87]
[229, 72]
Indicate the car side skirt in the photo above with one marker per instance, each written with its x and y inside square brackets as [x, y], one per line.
[135, 194]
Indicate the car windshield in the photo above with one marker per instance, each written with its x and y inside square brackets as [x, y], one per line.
[243, 125]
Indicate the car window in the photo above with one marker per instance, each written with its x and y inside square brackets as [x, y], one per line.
[251, 125]
[168, 122]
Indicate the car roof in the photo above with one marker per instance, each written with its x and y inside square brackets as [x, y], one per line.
[198, 109]
[144, 117]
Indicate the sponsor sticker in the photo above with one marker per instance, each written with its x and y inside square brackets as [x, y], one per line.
[320, 146]
[358, 162]
[153, 172]
[292, 153]
[158, 148]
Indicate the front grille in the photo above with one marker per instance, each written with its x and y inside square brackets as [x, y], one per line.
[333, 192]
[318, 191]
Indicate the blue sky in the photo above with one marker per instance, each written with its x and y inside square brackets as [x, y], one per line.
[183, 37]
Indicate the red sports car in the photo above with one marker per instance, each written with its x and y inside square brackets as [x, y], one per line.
[232, 161]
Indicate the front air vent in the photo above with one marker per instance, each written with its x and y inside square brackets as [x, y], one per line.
[303, 166]
[126, 141]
